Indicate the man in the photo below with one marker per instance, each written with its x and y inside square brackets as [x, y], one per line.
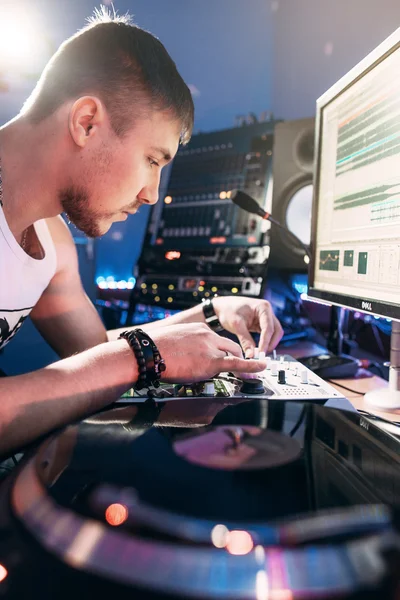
[108, 112]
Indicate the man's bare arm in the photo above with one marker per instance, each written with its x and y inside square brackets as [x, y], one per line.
[64, 315]
[32, 405]
[35, 403]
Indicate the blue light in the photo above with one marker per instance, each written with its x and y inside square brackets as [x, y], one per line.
[111, 283]
[301, 288]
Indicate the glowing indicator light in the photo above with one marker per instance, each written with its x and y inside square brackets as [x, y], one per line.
[214, 289]
[207, 294]
[201, 288]
[169, 299]
[157, 298]
[222, 195]
[116, 514]
[219, 536]
[172, 255]
[171, 286]
[195, 294]
[167, 199]
[143, 286]
[228, 194]
[234, 290]
[306, 259]
[154, 286]
[239, 543]
[202, 282]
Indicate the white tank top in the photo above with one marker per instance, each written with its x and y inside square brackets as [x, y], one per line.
[23, 279]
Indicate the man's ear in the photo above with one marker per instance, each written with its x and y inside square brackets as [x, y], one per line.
[86, 116]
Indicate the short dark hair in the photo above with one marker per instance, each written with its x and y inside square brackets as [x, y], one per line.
[127, 67]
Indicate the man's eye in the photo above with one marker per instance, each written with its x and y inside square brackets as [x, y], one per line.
[153, 163]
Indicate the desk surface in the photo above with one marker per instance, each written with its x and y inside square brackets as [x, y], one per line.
[355, 388]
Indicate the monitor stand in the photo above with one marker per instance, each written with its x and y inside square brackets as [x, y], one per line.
[333, 364]
[389, 398]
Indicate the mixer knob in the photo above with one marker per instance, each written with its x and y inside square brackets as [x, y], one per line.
[252, 386]
[282, 377]
[209, 388]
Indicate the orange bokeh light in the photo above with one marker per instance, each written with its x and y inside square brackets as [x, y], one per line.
[116, 514]
[172, 255]
[239, 542]
[3, 573]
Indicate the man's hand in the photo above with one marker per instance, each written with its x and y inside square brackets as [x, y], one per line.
[241, 315]
[192, 352]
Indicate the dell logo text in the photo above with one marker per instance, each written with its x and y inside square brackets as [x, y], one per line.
[366, 305]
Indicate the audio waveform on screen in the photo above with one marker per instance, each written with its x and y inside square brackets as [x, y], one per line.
[329, 260]
[386, 211]
[372, 133]
[380, 194]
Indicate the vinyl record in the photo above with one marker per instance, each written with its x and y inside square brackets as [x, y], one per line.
[237, 448]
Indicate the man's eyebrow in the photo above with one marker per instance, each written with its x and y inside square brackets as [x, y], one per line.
[166, 153]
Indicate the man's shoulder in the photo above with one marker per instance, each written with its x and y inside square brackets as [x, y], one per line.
[63, 243]
[59, 230]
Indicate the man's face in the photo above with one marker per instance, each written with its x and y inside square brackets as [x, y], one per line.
[117, 175]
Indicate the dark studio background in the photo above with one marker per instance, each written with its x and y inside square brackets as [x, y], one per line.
[238, 56]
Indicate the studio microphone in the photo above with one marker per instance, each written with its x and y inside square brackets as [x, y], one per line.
[247, 203]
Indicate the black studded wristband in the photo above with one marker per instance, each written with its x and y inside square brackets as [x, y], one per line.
[150, 363]
[210, 316]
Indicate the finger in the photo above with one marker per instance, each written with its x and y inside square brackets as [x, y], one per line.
[227, 345]
[277, 335]
[266, 328]
[241, 365]
[245, 338]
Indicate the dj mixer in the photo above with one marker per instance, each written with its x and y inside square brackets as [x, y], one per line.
[284, 379]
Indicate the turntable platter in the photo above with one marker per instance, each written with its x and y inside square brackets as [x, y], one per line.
[238, 448]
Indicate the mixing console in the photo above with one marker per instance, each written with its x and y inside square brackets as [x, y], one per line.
[283, 379]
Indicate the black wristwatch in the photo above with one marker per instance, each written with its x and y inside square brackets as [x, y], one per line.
[210, 316]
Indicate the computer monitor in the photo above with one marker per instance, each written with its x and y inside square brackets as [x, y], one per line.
[356, 206]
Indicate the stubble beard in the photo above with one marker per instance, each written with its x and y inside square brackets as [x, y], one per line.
[76, 205]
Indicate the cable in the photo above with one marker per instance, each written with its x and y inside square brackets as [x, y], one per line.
[344, 387]
[298, 422]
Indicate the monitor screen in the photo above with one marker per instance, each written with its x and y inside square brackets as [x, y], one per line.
[356, 207]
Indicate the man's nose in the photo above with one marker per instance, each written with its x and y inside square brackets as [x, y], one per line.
[150, 192]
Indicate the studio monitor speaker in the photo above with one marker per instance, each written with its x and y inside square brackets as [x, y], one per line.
[293, 161]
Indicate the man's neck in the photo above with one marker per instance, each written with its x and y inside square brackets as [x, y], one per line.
[28, 174]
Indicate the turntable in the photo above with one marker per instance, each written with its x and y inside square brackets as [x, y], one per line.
[245, 499]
